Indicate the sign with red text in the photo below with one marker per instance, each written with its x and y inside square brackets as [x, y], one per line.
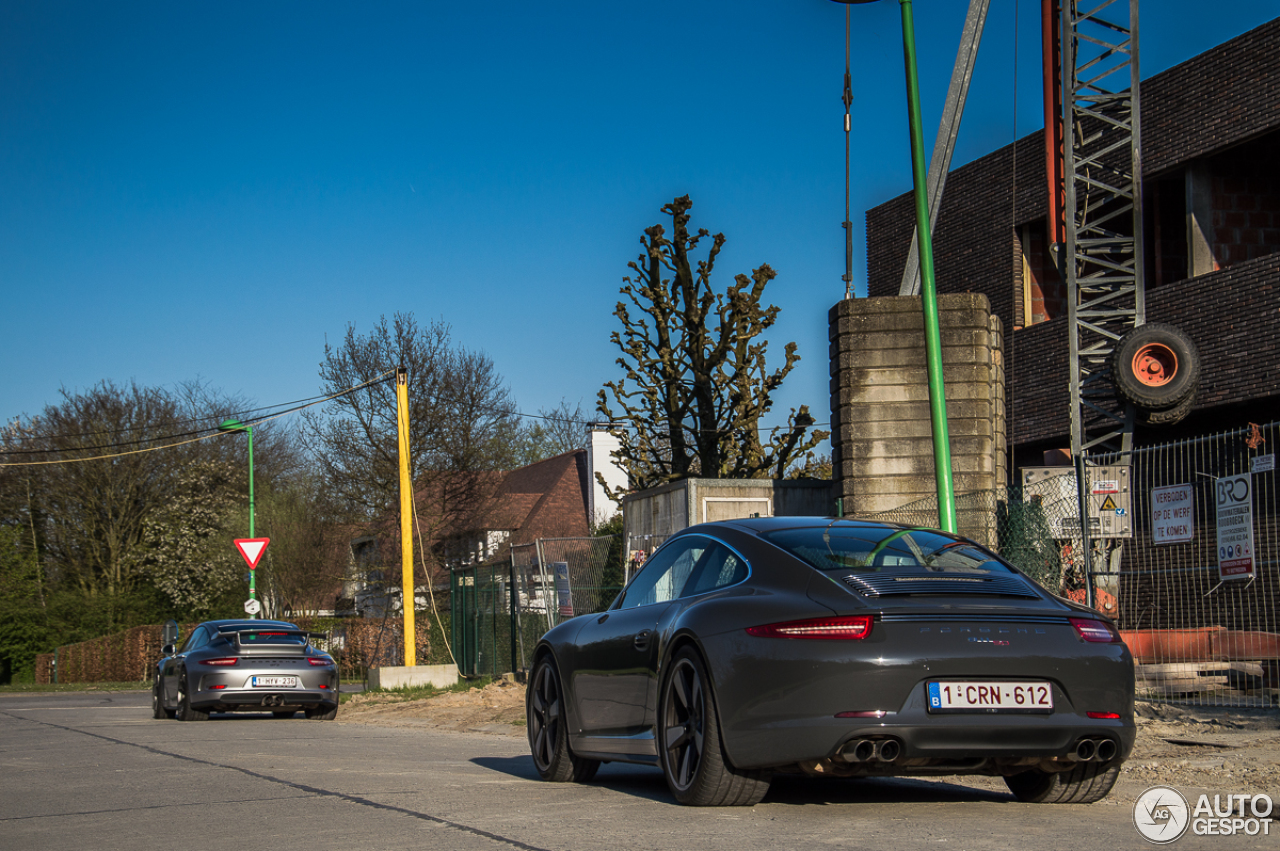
[1234, 497]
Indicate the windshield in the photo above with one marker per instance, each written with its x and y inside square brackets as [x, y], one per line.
[867, 548]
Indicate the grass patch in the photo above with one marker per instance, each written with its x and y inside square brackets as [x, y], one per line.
[20, 688]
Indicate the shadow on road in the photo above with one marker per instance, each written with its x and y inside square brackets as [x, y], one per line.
[793, 790]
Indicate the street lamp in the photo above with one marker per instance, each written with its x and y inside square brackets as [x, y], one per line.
[236, 425]
[928, 285]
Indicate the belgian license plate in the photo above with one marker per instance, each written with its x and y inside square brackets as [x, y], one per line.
[990, 696]
[275, 682]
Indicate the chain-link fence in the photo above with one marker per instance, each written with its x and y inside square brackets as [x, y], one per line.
[1185, 556]
[502, 609]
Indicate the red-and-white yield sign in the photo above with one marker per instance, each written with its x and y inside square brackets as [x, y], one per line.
[252, 549]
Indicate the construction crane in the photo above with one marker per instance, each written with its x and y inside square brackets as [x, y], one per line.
[1093, 161]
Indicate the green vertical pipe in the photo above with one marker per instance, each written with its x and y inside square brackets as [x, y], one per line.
[928, 287]
[253, 574]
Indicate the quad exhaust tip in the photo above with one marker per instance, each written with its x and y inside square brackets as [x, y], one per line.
[869, 750]
[1095, 750]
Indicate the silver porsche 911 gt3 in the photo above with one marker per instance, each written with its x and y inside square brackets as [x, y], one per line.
[245, 666]
[834, 647]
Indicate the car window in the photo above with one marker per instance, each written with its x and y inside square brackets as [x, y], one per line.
[719, 568]
[666, 573]
[197, 639]
[845, 546]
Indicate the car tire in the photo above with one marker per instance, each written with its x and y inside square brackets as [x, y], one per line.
[158, 711]
[185, 710]
[321, 713]
[548, 730]
[280, 713]
[690, 747]
[1155, 366]
[1087, 783]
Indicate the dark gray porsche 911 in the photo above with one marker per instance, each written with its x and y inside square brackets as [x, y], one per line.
[842, 648]
[245, 665]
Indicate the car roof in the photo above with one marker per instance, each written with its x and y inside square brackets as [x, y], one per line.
[772, 524]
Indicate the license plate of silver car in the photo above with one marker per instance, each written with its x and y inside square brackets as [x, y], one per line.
[990, 696]
[275, 682]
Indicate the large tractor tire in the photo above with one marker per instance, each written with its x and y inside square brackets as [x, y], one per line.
[1155, 366]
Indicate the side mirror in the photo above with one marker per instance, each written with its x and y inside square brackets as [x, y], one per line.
[168, 649]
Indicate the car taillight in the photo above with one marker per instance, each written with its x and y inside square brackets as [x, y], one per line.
[1104, 716]
[849, 627]
[224, 662]
[320, 663]
[1095, 631]
[217, 687]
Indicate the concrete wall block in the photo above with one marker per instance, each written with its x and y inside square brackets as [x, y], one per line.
[913, 356]
[876, 395]
[962, 446]
[906, 429]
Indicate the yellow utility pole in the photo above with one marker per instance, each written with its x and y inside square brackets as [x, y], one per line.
[406, 517]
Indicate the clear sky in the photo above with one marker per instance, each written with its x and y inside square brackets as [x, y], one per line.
[211, 190]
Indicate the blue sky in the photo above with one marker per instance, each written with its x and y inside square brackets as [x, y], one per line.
[211, 190]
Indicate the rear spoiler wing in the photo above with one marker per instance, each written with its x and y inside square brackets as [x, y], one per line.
[269, 632]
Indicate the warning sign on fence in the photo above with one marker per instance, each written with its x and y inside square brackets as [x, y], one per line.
[1173, 514]
[1234, 497]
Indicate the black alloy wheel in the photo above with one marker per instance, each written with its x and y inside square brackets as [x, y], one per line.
[185, 710]
[548, 734]
[1087, 783]
[157, 703]
[689, 745]
[321, 713]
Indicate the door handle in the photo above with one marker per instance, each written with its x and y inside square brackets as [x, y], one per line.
[641, 640]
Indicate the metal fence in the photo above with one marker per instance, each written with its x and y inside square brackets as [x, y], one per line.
[501, 610]
[1199, 632]
[1199, 594]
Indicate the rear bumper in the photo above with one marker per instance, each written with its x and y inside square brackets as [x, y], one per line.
[263, 700]
[233, 691]
[930, 741]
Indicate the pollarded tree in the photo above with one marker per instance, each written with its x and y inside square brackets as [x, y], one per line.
[696, 383]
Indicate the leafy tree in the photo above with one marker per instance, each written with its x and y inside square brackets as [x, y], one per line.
[124, 513]
[189, 556]
[695, 382]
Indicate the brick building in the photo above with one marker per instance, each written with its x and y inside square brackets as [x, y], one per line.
[548, 499]
[1210, 140]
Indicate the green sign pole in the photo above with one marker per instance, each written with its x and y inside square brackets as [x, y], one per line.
[928, 285]
[236, 425]
[928, 288]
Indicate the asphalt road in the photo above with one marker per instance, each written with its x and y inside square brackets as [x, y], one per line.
[94, 771]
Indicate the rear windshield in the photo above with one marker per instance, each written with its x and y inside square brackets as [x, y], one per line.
[272, 637]
[871, 549]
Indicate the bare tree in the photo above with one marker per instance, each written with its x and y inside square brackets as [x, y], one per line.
[310, 547]
[459, 409]
[695, 383]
